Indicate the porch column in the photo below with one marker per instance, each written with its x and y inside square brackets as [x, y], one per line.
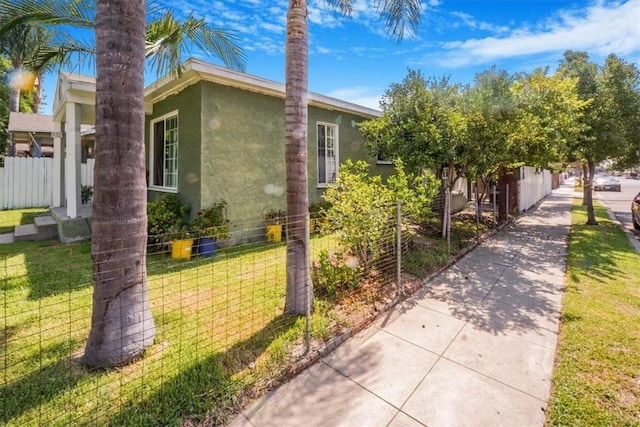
[72, 159]
[58, 166]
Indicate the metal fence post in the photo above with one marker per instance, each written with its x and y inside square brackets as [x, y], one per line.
[506, 204]
[308, 286]
[495, 197]
[399, 250]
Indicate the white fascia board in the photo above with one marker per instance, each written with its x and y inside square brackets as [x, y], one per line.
[196, 70]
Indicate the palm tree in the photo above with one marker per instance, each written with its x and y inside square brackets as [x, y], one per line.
[122, 326]
[20, 44]
[397, 14]
[166, 38]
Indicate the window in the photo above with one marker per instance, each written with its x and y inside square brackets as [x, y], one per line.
[327, 154]
[163, 158]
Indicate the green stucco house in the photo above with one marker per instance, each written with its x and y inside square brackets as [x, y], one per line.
[214, 134]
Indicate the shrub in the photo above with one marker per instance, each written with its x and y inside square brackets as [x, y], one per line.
[86, 193]
[363, 208]
[212, 221]
[166, 215]
[334, 275]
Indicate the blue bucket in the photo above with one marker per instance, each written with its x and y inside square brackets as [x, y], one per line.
[207, 247]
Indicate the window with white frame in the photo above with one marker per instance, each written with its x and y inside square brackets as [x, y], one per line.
[163, 157]
[327, 153]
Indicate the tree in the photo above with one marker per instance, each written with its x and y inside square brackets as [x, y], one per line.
[610, 115]
[548, 117]
[397, 14]
[20, 44]
[422, 124]
[122, 325]
[166, 37]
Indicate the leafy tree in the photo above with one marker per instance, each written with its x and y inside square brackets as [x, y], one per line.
[401, 18]
[423, 124]
[548, 113]
[610, 115]
[491, 112]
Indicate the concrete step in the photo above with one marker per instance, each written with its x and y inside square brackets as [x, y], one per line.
[47, 227]
[25, 232]
[44, 227]
[6, 238]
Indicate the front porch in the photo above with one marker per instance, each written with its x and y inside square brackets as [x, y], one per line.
[73, 228]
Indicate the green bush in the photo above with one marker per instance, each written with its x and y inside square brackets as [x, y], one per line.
[212, 222]
[86, 193]
[363, 208]
[334, 275]
[165, 215]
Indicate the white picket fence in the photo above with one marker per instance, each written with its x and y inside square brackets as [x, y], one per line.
[27, 182]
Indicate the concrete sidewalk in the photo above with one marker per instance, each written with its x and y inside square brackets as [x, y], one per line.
[475, 346]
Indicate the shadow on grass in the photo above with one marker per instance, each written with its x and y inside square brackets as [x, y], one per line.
[215, 387]
[190, 391]
[595, 251]
[44, 267]
[13, 218]
[41, 385]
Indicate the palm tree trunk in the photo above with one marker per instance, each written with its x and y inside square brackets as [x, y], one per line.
[14, 96]
[37, 99]
[121, 325]
[298, 276]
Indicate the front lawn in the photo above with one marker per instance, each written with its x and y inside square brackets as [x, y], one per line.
[221, 336]
[596, 379]
[9, 219]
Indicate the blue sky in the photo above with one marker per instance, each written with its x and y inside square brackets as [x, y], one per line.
[352, 58]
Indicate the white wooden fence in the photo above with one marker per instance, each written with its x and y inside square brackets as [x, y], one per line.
[27, 182]
[532, 187]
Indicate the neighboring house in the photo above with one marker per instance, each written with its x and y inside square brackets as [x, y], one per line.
[30, 135]
[214, 134]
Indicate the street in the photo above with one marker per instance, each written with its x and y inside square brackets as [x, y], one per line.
[620, 202]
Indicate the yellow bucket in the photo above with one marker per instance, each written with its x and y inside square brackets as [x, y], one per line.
[274, 233]
[181, 249]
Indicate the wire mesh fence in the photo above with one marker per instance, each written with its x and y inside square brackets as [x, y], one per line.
[221, 332]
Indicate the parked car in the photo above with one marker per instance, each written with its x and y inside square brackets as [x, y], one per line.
[607, 183]
[635, 211]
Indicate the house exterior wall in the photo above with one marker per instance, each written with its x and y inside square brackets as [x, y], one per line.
[231, 147]
[242, 151]
[187, 105]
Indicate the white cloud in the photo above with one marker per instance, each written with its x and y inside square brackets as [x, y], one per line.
[360, 95]
[600, 29]
[469, 21]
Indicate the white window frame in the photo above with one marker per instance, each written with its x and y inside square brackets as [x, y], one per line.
[152, 172]
[336, 148]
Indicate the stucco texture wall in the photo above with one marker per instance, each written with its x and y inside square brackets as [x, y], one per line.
[187, 105]
[231, 147]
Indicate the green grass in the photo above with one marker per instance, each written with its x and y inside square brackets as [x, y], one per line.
[221, 336]
[596, 379]
[9, 219]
